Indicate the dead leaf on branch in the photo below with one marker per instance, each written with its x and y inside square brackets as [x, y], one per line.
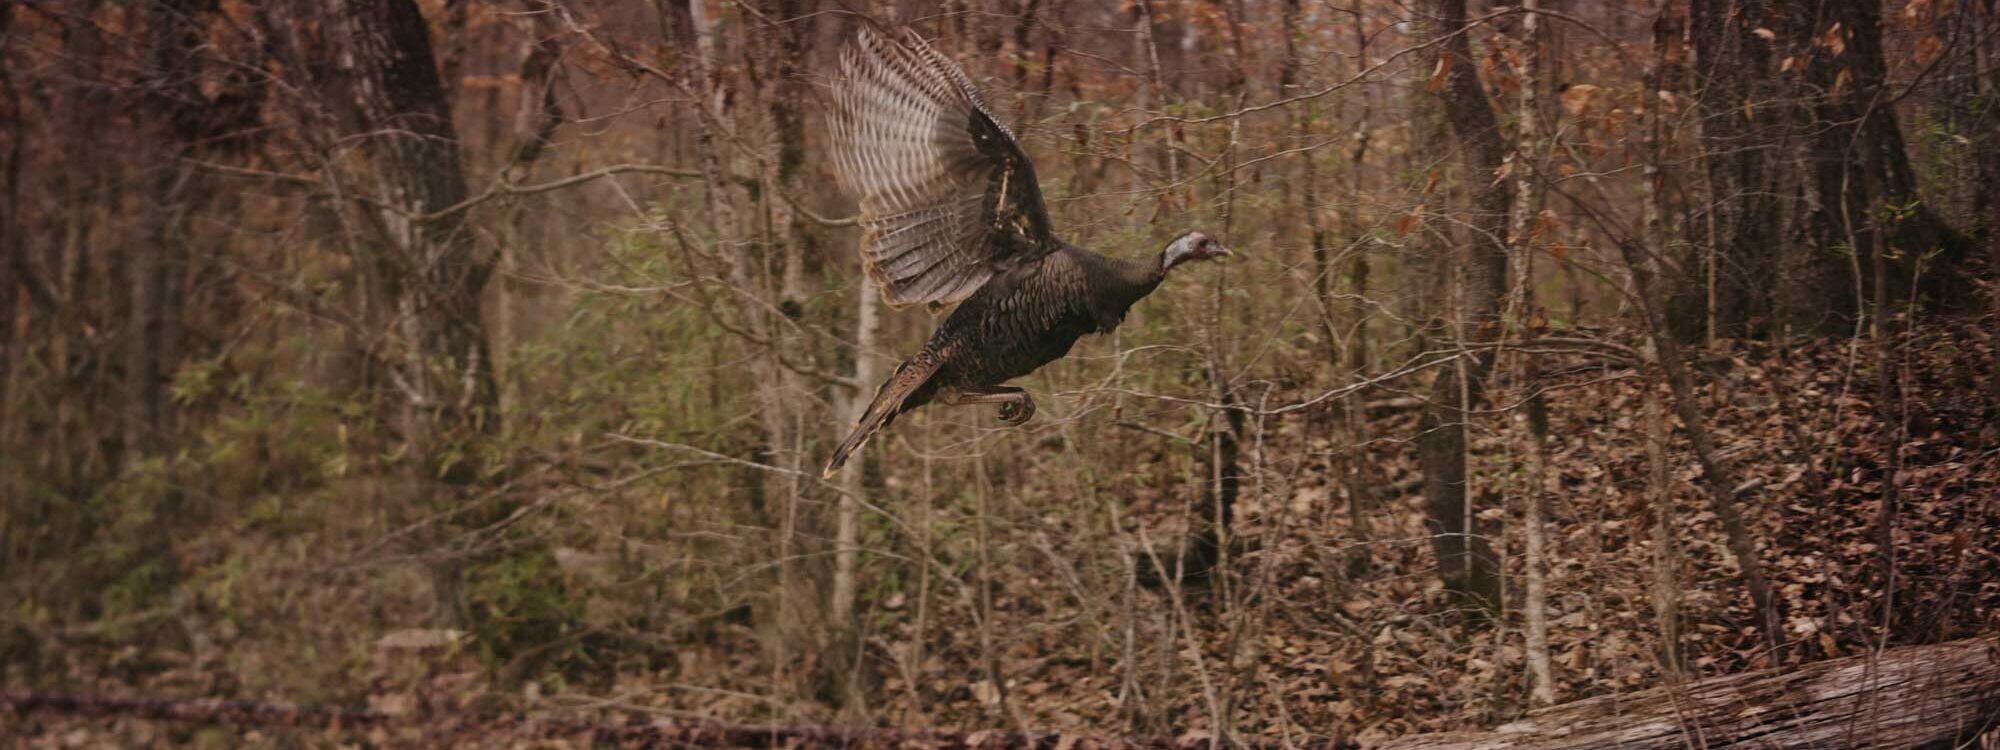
[1928, 49]
[1577, 98]
[1439, 73]
[1834, 40]
[1914, 13]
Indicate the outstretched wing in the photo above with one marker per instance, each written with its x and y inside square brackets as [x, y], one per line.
[947, 195]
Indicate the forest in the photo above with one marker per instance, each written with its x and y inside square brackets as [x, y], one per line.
[448, 373]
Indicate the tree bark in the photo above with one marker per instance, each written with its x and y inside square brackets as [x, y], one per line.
[1889, 414]
[172, 41]
[1717, 476]
[1741, 126]
[16, 282]
[1665, 587]
[433, 272]
[1978, 88]
[791, 43]
[1364, 477]
[788, 238]
[1528, 198]
[1858, 160]
[847, 524]
[438, 273]
[1465, 557]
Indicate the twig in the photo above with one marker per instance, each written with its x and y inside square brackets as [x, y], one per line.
[502, 187]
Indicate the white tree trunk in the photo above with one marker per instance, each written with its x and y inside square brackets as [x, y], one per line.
[847, 531]
[1659, 489]
[1527, 206]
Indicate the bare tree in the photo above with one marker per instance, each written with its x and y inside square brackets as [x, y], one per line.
[1858, 160]
[1730, 292]
[847, 524]
[1465, 556]
[434, 271]
[1665, 588]
[1528, 157]
[1717, 476]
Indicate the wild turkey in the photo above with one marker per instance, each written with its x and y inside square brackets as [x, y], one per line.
[951, 213]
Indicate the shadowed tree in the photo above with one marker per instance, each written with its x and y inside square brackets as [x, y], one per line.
[1465, 557]
[1741, 124]
[432, 272]
[1859, 175]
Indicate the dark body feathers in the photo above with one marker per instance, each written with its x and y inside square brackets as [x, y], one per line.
[1021, 319]
[1030, 315]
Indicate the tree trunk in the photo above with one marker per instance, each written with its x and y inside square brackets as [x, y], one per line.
[1717, 476]
[1741, 126]
[1363, 475]
[1659, 488]
[1889, 413]
[804, 566]
[172, 41]
[1858, 161]
[1465, 557]
[438, 270]
[847, 524]
[1024, 29]
[1979, 88]
[1528, 198]
[15, 283]
[1665, 588]
[791, 37]
[433, 270]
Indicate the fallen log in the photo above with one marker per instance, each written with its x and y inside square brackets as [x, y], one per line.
[1943, 696]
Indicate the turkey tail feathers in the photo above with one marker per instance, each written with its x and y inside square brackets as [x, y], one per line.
[889, 402]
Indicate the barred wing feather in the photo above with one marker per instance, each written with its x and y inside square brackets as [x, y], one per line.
[947, 195]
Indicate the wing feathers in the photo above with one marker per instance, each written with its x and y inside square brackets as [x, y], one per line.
[944, 188]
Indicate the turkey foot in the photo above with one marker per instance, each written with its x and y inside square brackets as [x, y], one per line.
[1017, 413]
[1015, 405]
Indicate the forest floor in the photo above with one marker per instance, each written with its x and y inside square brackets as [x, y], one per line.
[1308, 635]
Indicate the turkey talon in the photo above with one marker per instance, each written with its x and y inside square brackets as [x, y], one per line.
[1016, 413]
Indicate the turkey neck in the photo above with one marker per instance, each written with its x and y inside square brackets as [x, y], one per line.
[1121, 282]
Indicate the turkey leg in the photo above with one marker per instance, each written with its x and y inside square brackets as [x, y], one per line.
[1016, 407]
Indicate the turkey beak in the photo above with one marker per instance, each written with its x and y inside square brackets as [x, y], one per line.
[1224, 252]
